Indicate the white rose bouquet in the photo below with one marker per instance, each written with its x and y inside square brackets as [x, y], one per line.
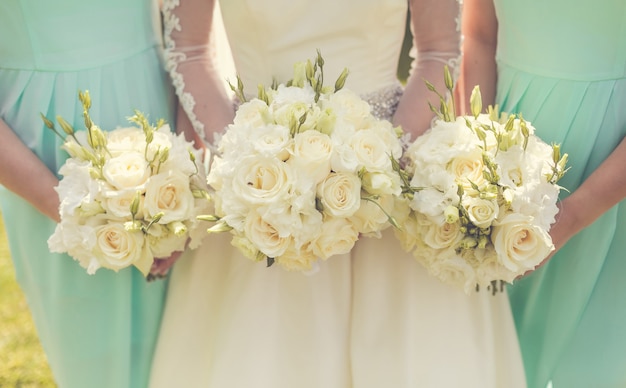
[482, 191]
[304, 171]
[127, 196]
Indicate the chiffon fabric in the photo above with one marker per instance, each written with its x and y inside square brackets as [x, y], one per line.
[566, 73]
[100, 330]
[371, 318]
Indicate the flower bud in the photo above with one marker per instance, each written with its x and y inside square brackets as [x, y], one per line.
[341, 80]
[451, 214]
[476, 101]
[219, 228]
[178, 228]
[208, 217]
[447, 77]
[67, 128]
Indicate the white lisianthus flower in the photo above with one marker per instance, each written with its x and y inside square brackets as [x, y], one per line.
[522, 244]
[77, 188]
[349, 107]
[161, 142]
[340, 194]
[169, 193]
[292, 95]
[126, 171]
[338, 236]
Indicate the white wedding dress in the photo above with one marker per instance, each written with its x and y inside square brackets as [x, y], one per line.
[373, 318]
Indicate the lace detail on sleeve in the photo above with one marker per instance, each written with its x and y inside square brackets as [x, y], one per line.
[174, 57]
[450, 58]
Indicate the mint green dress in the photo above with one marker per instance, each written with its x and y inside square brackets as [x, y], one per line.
[100, 330]
[562, 63]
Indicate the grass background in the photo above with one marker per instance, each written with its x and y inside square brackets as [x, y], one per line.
[22, 361]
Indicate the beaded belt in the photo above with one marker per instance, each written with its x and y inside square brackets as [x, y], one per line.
[384, 102]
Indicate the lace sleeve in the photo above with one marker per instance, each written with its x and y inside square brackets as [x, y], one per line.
[452, 55]
[435, 25]
[191, 60]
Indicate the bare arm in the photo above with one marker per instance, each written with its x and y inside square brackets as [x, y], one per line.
[23, 173]
[601, 191]
[478, 67]
[437, 40]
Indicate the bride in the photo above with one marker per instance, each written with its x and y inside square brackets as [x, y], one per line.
[371, 318]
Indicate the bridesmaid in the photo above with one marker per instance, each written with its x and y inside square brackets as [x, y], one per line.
[562, 64]
[100, 330]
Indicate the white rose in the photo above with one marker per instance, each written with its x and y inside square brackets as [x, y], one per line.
[117, 248]
[379, 183]
[254, 113]
[443, 235]
[258, 180]
[272, 141]
[117, 203]
[297, 259]
[343, 158]
[163, 241]
[370, 219]
[340, 194]
[264, 236]
[482, 212]
[290, 116]
[122, 140]
[126, 171]
[520, 244]
[338, 237]
[169, 193]
[455, 271]
[311, 155]
[468, 167]
[371, 151]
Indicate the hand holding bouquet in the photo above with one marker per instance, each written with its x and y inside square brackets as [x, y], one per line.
[482, 191]
[127, 196]
[304, 171]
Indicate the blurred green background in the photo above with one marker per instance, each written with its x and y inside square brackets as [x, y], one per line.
[22, 361]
